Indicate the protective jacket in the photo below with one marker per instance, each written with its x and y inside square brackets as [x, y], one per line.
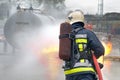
[85, 41]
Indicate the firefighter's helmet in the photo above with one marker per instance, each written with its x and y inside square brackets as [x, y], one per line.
[75, 16]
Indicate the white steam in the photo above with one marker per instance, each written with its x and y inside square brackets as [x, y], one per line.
[28, 65]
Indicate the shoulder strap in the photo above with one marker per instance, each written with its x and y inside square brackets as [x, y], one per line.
[75, 31]
[63, 36]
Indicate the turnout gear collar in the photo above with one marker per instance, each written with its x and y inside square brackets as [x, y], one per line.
[77, 25]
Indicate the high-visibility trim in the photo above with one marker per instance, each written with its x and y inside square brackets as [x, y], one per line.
[81, 40]
[81, 36]
[80, 47]
[82, 60]
[80, 69]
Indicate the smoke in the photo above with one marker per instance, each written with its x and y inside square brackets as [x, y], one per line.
[31, 62]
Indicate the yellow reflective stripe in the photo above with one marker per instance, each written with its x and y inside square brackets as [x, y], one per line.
[80, 69]
[81, 40]
[80, 47]
[82, 60]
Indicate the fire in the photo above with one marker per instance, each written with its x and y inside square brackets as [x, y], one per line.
[108, 47]
[49, 58]
[51, 49]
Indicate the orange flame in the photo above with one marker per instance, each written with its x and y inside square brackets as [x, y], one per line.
[49, 56]
[108, 47]
[51, 49]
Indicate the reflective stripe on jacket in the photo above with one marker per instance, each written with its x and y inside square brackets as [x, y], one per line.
[79, 69]
[81, 41]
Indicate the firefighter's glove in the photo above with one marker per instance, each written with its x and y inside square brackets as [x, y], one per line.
[101, 65]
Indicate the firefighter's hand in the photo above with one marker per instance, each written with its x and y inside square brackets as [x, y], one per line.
[101, 65]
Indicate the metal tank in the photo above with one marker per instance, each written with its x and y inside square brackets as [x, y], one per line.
[20, 22]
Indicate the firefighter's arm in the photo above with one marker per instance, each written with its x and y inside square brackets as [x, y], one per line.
[95, 45]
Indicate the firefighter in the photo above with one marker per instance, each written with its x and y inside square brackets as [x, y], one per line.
[85, 42]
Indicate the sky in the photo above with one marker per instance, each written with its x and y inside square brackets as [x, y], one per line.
[91, 6]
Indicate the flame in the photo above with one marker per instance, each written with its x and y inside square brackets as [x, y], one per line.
[51, 49]
[101, 60]
[108, 47]
[50, 59]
